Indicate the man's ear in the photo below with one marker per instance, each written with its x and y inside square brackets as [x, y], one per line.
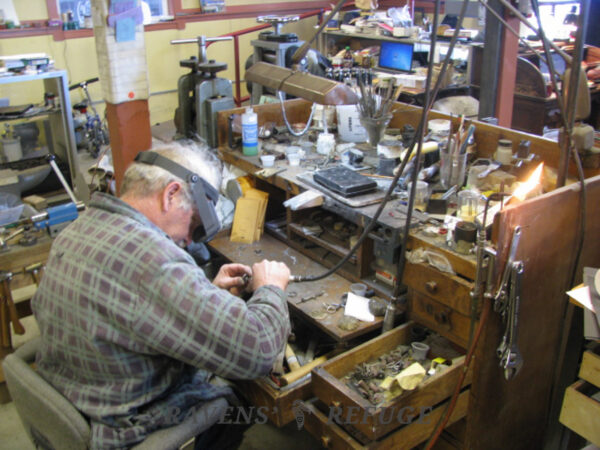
[168, 195]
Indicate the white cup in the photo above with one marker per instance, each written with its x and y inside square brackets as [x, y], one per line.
[419, 350]
[293, 159]
[267, 160]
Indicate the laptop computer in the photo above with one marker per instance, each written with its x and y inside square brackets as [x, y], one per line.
[395, 57]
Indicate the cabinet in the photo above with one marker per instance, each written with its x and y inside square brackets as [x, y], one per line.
[61, 139]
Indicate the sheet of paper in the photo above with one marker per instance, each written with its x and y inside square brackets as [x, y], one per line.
[125, 29]
[358, 307]
[582, 296]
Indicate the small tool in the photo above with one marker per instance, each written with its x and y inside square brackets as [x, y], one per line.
[332, 308]
[311, 297]
[501, 294]
[510, 356]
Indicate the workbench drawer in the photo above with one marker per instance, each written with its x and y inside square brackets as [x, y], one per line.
[450, 290]
[581, 410]
[277, 404]
[371, 422]
[439, 317]
[316, 420]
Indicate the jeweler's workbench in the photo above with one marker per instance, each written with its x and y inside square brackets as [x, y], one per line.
[442, 302]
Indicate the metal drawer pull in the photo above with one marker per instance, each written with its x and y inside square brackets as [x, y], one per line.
[431, 287]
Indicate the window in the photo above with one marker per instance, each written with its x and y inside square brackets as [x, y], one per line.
[80, 9]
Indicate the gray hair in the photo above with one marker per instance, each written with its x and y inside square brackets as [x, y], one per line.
[141, 180]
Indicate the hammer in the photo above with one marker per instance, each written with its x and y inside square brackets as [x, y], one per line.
[8, 303]
[34, 271]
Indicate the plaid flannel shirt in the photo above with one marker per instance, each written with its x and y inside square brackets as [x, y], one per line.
[132, 328]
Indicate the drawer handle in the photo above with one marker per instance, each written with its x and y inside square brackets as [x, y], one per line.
[431, 287]
[335, 403]
[325, 441]
[441, 317]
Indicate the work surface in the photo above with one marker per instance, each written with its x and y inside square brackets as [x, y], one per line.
[313, 311]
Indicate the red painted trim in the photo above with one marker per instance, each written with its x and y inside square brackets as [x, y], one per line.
[175, 7]
[183, 16]
[508, 74]
[52, 6]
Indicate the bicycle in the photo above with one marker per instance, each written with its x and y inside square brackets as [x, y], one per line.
[95, 131]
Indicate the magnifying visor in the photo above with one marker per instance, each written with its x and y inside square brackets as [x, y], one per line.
[205, 196]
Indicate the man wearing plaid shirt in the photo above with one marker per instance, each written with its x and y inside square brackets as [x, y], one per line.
[132, 329]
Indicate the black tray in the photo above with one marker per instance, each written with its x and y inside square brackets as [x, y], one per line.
[344, 181]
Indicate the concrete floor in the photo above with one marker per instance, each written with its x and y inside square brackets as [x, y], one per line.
[257, 437]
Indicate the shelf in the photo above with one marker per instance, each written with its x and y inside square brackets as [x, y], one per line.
[329, 246]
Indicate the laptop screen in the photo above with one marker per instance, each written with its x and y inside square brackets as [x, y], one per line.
[396, 56]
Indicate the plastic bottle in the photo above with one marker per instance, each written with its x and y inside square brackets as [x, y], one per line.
[348, 59]
[504, 152]
[249, 132]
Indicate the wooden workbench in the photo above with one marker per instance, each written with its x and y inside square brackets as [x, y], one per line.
[501, 414]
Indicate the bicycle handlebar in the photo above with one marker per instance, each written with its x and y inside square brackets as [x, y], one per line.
[83, 83]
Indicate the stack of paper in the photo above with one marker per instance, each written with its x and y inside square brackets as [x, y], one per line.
[249, 217]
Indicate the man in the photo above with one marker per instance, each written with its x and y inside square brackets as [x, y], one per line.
[127, 318]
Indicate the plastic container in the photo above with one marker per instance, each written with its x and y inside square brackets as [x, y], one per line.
[11, 208]
[504, 152]
[468, 205]
[420, 195]
[293, 159]
[249, 132]
[267, 160]
[347, 59]
[359, 289]
[420, 350]
[325, 143]
[11, 149]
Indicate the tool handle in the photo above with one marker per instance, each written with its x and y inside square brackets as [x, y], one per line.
[4, 326]
[291, 358]
[198, 40]
[10, 305]
[290, 377]
[18, 327]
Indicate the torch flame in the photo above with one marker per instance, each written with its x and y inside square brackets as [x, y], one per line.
[530, 184]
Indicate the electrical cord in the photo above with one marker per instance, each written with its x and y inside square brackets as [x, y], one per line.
[485, 313]
[407, 157]
[287, 123]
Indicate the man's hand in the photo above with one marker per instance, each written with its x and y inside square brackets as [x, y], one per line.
[230, 278]
[270, 272]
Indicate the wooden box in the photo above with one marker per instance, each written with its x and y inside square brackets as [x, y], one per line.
[581, 406]
[373, 422]
[580, 412]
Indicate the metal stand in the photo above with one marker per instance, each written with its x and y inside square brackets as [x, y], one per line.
[196, 113]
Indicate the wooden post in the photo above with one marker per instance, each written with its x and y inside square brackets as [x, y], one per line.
[123, 74]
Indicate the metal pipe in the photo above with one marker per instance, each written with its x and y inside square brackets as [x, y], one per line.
[61, 178]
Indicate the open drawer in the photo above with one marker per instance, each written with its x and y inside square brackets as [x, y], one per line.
[368, 422]
[277, 404]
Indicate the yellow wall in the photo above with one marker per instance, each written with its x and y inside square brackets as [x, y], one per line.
[78, 58]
